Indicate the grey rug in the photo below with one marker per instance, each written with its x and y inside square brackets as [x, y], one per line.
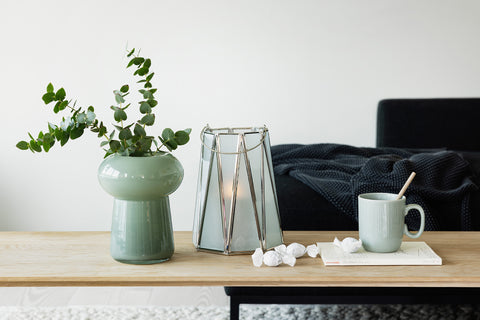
[362, 312]
[247, 312]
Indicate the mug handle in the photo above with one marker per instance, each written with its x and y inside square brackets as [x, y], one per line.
[422, 221]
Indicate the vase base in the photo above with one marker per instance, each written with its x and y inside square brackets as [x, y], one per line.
[143, 261]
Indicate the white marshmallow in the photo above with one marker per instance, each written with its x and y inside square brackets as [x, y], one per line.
[290, 260]
[272, 258]
[312, 250]
[257, 257]
[296, 249]
[282, 249]
[348, 245]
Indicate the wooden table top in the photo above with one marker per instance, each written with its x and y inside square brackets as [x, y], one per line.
[83, 259]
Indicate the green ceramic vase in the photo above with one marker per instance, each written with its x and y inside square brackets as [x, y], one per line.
[142, 230]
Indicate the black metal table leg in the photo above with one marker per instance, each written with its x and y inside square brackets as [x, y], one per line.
[234, 309]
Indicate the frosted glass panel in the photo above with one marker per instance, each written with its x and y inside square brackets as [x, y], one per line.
[245, 236]
[273, 231]
[208, 224]
[236, 208]
[203, 175]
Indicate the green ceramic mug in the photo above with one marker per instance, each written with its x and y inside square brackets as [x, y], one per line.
[381, 221]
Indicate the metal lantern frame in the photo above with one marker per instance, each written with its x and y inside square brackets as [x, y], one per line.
[228, 215]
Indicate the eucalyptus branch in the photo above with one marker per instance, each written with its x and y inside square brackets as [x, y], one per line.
[126, 142]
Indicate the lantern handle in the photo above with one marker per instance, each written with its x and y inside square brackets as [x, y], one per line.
[264, 131]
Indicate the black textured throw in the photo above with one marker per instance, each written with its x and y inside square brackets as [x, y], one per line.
[341, 172]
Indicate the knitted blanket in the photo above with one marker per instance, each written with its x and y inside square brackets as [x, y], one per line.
[341, 172]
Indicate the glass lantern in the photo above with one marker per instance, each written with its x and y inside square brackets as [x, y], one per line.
[236, 208]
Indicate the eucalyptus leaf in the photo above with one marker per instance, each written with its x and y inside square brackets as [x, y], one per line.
[101, 127]
[115, 145]
[35, 146]
[101, 131]
[59, 133]
[119, 99]
[152, 102]
[48, 97]
[130, 53]
[107, 153]
[168, 134]
[145, 107]
[171, 145]
[120, 115]
[181, 137]
[48, 138]
[147, 94]
[76, 132]
[22, 145]
[65, 138]
[135, 138]
[148, 119]
[47, 145]
[81, 118]
[125, 134]
[139, 130]
[138, 60]
[124, 88]
[63, 105]
[147, 63]
[141, 71]
[90, 116]
[56, 109]
[145, 144]
[60, 95]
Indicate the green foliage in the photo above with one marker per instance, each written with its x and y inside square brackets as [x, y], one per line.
[22, 145]
[60, 95]
[174, 139]
[131, 140]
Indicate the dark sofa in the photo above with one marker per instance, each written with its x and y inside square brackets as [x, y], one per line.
[417, 125]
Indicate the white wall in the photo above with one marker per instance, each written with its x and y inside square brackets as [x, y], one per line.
[312, 71]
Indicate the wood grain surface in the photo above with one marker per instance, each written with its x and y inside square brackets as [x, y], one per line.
[112, 296]
[83, 259]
